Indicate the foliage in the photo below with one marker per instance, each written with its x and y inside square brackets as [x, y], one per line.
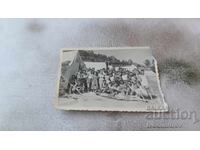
[90, 56]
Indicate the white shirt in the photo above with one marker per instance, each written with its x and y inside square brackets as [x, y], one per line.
[144, 81]
[125, 77]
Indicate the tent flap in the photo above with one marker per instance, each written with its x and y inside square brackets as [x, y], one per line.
[74, 66]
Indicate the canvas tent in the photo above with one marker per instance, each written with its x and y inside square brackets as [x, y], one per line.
[74, 64]
[130, 68]
[96, 65]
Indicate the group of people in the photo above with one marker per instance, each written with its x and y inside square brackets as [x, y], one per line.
[110, 81]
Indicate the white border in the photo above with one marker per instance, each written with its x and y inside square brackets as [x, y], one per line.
[58, 105]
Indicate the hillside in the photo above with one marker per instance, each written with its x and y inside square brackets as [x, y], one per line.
[90, 56]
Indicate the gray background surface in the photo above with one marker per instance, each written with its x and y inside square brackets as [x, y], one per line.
[29, 64]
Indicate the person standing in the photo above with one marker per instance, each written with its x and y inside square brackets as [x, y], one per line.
[101, 78]
[84, 79]
[95, 82]
[145, 85]
[107, 63]
[125, 76]
[107, 78]
[89, 80]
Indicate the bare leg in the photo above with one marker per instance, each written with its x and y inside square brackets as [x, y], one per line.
[78, 90]
[149, 93]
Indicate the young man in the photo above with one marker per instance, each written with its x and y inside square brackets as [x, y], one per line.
[101, 79]
[122, 88]
[105, 87]
[125, 76]
[89, 80]
[71, 83]
[107, 78]
[74, 88]
[115, 89]
[84, 79]
[145, 85]
[95, 82]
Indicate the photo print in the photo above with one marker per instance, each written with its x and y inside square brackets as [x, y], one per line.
[109, 79]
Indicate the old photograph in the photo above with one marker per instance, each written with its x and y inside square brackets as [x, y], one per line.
[109, 79]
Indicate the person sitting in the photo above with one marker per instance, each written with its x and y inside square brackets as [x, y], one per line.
[105, 88]
[75, 88]
[115, 89]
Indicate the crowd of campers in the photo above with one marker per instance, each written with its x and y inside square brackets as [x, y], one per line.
[110, 81]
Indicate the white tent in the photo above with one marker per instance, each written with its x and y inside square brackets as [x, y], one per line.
[75, 63]
[130, 68]
[96, 65]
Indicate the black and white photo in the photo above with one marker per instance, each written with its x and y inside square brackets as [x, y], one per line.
[109, 79]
